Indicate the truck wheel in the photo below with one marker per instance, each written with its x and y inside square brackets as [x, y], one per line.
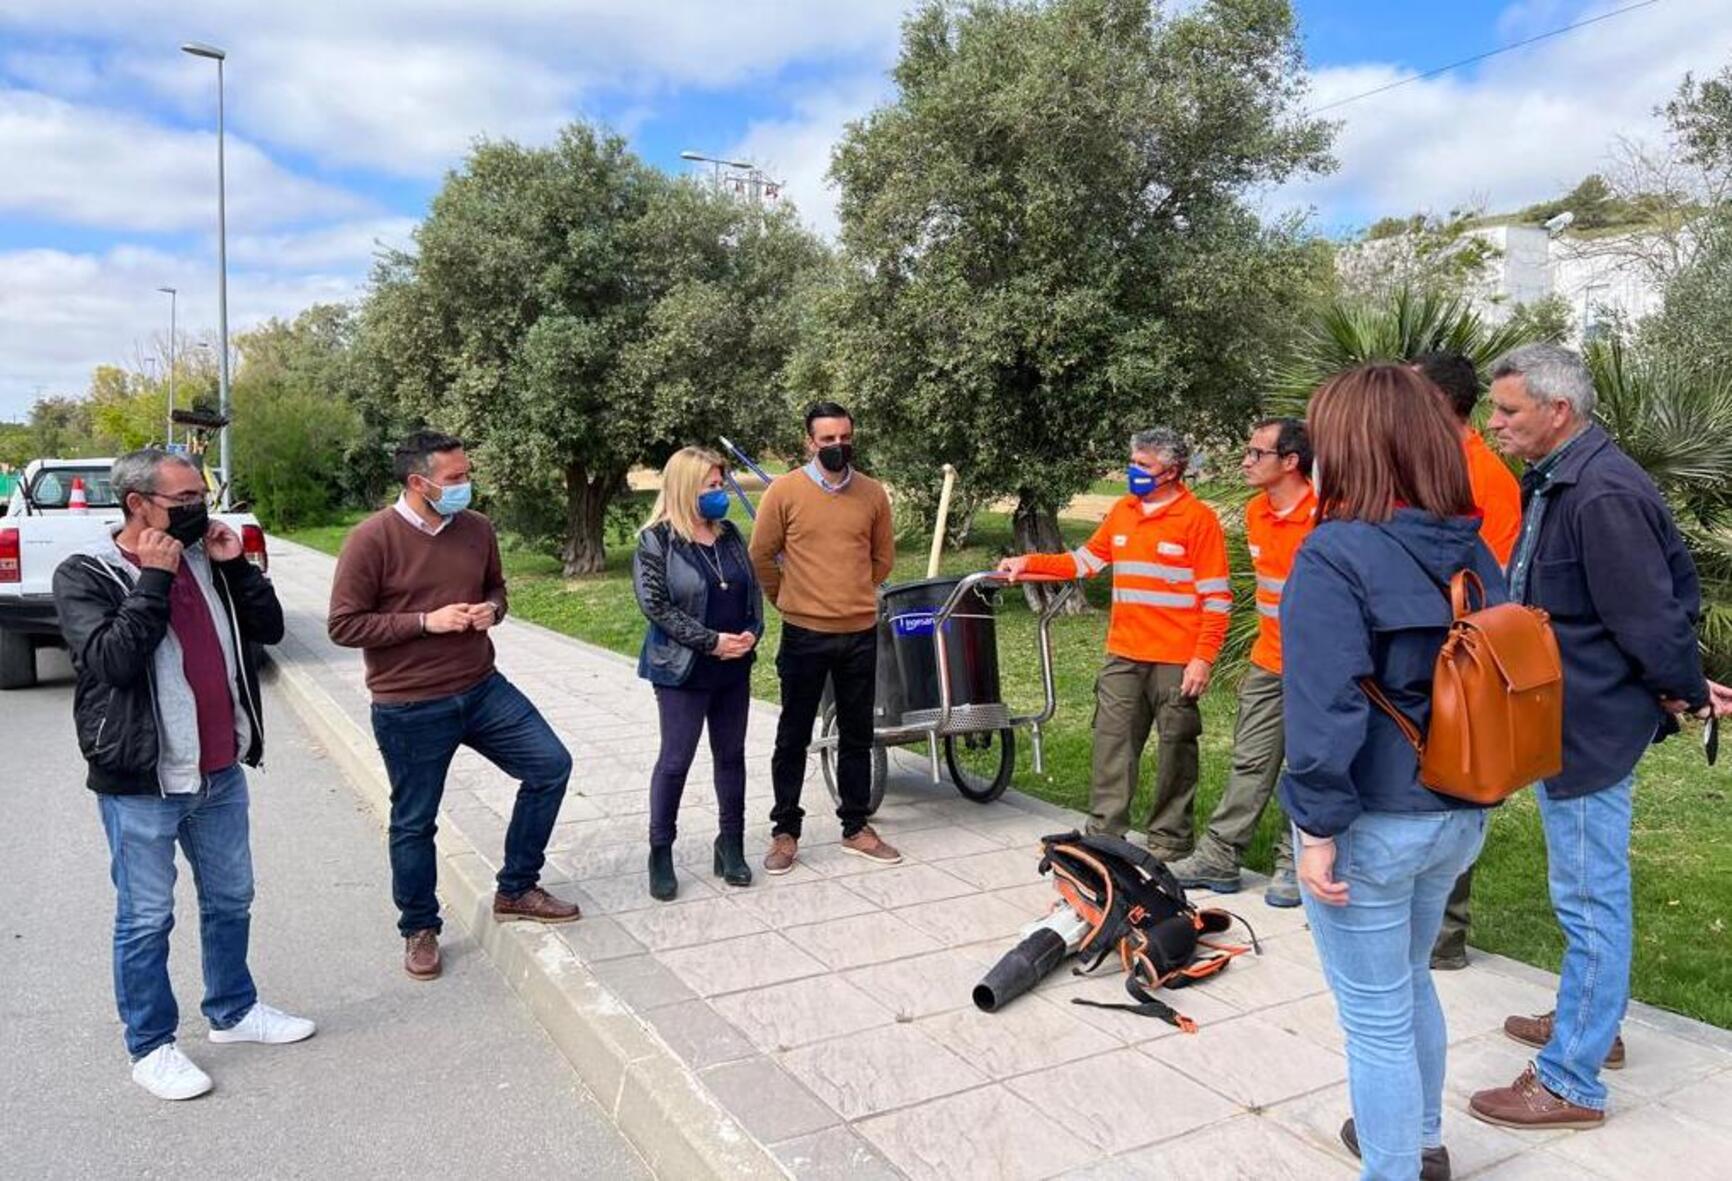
[17, 660]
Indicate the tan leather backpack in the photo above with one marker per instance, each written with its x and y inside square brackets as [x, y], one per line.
[1497, 700]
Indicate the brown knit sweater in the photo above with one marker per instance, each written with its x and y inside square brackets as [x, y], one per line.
[836, 547]
[390, 574]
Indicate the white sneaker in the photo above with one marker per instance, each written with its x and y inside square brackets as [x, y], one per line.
[168, 1074]
[265, 1024]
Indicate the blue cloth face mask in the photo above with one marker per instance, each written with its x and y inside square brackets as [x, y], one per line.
[452, 499]
[1141, 480]
[713, 505]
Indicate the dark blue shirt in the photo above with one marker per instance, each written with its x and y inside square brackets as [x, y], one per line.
[725, 610]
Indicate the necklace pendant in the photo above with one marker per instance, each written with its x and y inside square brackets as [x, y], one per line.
[724, 585]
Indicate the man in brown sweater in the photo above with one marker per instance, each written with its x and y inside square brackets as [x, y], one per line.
[417, 587]
[821, 545]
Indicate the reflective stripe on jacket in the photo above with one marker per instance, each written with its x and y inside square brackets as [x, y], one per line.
[1171, 596]
[1273, 539]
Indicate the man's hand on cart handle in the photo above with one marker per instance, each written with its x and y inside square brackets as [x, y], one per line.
[1014, 568]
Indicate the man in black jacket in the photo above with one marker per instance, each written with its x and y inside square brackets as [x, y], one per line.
[158, 617]
[1598, 550]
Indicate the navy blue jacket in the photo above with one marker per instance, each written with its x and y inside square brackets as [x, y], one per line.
[1611, 568]
[1358, 604]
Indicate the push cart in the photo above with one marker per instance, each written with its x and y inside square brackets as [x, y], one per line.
[938, 684]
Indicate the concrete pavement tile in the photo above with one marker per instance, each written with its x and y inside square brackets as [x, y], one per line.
[1659, 1064]
[735, 965]
[596, 937]
[768, 1101]
[989, 1134]
[941, 843]
[642, 981]
[588, 862]
[1034, 899]
[622, 803]
[1295, 946]
[786, 1016]
[1542, 1164]
[1489, 1060]
[1025, 1035]
[815, 900]
[1122, 1100]
[622, 892]
[879, 1070]
[577, 808]
[1108, 987]
[906, 885]
[698, 1034]
[1017, 829]
[1251, 1061]
[1708, 1101]
[1652, 1141]
[684, 924]
[1473, 1145]
[925, 985]
[998, 871]
[1255, 982]
[1247, 1148]
[1312, 1018]
[861, 940]
[835, 1154]
[958, 921]
[801, 875]
[1477, 1002]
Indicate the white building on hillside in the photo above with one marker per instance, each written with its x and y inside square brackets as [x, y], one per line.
[1598, 278]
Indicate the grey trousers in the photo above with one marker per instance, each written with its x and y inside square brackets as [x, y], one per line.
[1259, 742]
[1131, 697]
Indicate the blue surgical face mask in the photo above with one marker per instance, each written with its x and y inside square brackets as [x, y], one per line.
[1140, 480]
[452, 499]
[713, 505]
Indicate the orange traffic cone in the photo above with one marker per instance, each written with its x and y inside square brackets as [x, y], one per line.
[77, 502]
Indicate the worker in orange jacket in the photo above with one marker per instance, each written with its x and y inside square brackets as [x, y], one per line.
[1171, 599]
[1498, 496]
[1278, 519]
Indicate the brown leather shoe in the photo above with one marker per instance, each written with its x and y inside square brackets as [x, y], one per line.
[784, 848]
[869, 845]
[1527, 1103]
[534, 905]
[421, 955]
[1537, 1031]
[1433, 1162]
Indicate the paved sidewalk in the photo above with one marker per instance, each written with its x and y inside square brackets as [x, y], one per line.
[829, 1011]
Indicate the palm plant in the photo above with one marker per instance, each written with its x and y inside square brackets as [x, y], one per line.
[1412, 323]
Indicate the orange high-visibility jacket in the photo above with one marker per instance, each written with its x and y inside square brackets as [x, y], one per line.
[1274, 540]
[1171, 597]
[1496, 493]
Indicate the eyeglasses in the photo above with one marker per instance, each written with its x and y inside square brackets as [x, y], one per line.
[1257, 454]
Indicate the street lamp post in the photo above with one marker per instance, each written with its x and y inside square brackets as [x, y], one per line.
[718, 164]
[168, 420]
[198, 49]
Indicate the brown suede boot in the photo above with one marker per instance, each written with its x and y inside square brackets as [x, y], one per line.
[421, 955]
[534, 905]
[1537, 1031]
[1526, 1103]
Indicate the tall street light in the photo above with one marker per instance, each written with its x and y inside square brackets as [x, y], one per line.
[716, 172]
[173, 298]
[198, 49]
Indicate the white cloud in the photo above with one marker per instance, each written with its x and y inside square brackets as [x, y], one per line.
[1525, 127]
[797, 150]
[346, 246]
[90, 166]
[62, 313]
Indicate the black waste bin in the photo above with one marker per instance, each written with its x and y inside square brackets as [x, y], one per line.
[970, 642]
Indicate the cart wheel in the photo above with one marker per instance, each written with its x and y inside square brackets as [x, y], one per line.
[827, 761]
[981, 764]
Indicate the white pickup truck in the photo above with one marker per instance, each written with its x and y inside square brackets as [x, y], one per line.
[39, 530]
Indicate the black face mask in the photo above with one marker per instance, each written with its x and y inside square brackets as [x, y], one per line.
[188, 523]
[836, 457]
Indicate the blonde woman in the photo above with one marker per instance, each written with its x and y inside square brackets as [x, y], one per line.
[695, 584]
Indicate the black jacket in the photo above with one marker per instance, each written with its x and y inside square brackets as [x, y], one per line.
[673, 593]
[112, 630]
[1613, 572]
[1367, 600]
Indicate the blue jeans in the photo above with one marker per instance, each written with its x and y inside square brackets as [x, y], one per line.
[418, 740]
[1588, 873]
[211, 827]
[1376, 953]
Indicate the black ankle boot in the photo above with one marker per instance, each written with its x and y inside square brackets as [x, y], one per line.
[663, 884]
[731, 864]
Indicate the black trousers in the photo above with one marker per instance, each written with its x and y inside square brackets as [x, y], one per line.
[806, 659]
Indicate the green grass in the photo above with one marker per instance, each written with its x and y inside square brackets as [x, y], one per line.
[1683, 826]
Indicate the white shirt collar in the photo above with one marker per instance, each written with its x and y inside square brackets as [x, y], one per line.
[414, 518]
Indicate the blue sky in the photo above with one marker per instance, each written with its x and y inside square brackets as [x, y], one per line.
[343, 117]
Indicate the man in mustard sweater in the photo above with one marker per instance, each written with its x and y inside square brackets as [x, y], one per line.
[821, 545]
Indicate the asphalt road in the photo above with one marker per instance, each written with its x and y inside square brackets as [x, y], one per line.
[403, 1079]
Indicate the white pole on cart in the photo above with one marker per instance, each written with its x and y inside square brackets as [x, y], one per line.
[938, 526]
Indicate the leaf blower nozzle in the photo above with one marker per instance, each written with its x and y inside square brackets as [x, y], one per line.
[1044, 946]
